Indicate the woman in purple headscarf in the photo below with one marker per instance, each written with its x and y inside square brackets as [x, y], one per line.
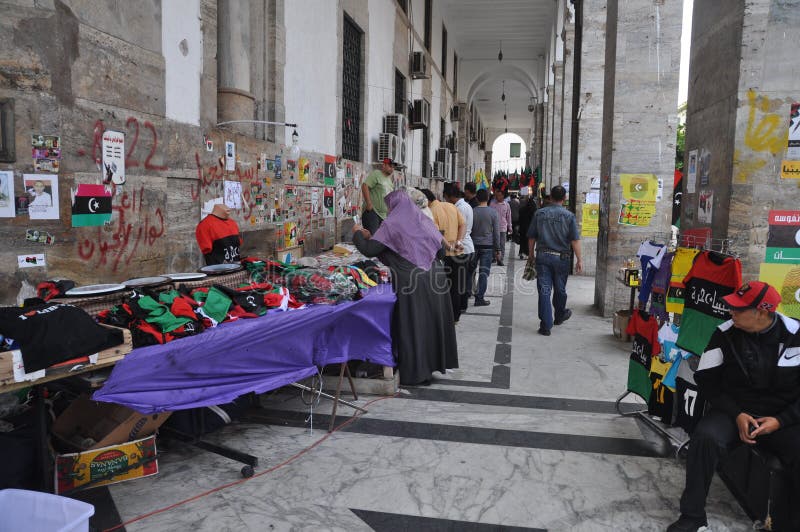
[423, 331]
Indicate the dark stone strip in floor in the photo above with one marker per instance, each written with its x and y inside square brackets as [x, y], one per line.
[501, 377]
[517, 401]
[477, 435]
[465, 383]
[504, 334]
[105, 510]
[384, 522]
[502, 354]
[481, 314]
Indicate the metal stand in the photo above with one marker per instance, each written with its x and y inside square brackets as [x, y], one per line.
[343, 369]
[198, 423]
[657, 427]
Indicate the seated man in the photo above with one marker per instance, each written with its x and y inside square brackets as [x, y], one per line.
[750, 374]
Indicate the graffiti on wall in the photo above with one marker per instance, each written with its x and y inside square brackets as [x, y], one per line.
[764, 135]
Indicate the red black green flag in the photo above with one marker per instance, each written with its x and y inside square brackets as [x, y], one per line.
[91, 205]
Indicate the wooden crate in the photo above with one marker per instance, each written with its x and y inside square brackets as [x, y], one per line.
[105, 358]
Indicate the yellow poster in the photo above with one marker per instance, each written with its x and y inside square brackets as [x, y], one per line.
[590, 219]
[790, 169]
[637, 212]
[290, 234]
[640, 187]
[786, 280]
[304, 168]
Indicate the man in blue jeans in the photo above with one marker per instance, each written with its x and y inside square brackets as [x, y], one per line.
[554, 231]
[486, 239]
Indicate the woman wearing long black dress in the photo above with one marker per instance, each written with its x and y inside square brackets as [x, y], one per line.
[423, 331]
[526, 212]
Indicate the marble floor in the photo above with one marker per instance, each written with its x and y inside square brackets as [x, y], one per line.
[523, 436]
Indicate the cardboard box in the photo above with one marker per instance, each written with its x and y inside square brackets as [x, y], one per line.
[107, 465]
[87, 425]
[620, 324]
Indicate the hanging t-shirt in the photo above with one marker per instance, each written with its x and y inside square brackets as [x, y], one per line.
[712, 277]
[690, 403]
[219, 239]
[681, 265]
[678, 355]
[661, 398]
[650, 255]
[658, 293]
[643, 328]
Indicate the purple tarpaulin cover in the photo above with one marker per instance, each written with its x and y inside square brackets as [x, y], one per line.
[252, 355]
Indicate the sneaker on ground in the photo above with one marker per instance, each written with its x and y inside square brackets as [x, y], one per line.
[543, 332]
[481, 302]
[687, 524]
[567, 315]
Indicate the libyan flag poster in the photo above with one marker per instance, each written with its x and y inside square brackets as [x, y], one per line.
[91, 205]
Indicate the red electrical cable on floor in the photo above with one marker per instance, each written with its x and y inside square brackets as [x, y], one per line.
[289, 460]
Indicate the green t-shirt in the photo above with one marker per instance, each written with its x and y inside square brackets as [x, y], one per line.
[379, 184]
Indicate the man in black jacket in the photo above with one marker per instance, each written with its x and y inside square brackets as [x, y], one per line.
[750, 374]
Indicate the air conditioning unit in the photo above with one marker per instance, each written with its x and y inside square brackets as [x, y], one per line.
[482, 145]
[396, 124]
[473, 134]
[419, 65]
[442, 154]
[390, 146]
[420, 116]
[458, 112]
[437, 170]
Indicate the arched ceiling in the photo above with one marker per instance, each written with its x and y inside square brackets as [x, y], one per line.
[477, 28]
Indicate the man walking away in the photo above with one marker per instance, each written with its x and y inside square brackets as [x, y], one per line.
[486, 238]
[504, 215]
[469, 194]
[552, 233]
[466, 263]
[515, 205]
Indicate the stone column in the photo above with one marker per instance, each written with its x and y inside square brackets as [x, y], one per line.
[639, 128]
[738, 114]
[566, 101]
[590, 120]
[235, 100]
[547, 169]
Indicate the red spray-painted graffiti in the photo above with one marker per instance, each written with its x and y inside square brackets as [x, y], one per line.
[132, 133]
[121, 244]
[212, 177]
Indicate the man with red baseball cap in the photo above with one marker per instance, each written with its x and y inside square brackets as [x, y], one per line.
[750, 375]
[373, 190]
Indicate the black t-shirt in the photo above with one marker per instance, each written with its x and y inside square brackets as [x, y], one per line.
[52, 333]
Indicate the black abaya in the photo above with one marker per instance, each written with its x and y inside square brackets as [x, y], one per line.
[423, 332]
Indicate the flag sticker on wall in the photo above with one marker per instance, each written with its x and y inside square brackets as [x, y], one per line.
[91, 205]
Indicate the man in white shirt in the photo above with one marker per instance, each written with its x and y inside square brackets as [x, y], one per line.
[465, 270]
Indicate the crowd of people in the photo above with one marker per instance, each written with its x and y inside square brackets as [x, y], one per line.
[441, 250]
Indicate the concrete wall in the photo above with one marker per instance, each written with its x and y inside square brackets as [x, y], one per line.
[744, 77]
[639, 134]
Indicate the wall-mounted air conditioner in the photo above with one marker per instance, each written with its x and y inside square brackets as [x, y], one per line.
[437, 170]
[442, 154]
[450, 142]
[419, 65]
[396, 124]
[420, 116]
[389, 146]
[482, 145]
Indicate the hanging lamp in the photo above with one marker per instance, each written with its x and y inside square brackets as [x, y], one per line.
[500, 55]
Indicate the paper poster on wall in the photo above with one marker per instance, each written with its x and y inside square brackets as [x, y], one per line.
[233, 194]
[783, 238]
[328, 203]
[636, 212]
[303, 170]
[46, 151]
[230, 156]
[42, 191]
[691, 173]
[315, 205]
[290, 234]
[6, 194]
[640, 187]
[590, 220]
[705, 207]
[785, 278]
[330, 170]
[278, 168]
[793, 143]
[34, 260]
[113, 157]
[790, 169]
[704, 167]
[91, 205]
